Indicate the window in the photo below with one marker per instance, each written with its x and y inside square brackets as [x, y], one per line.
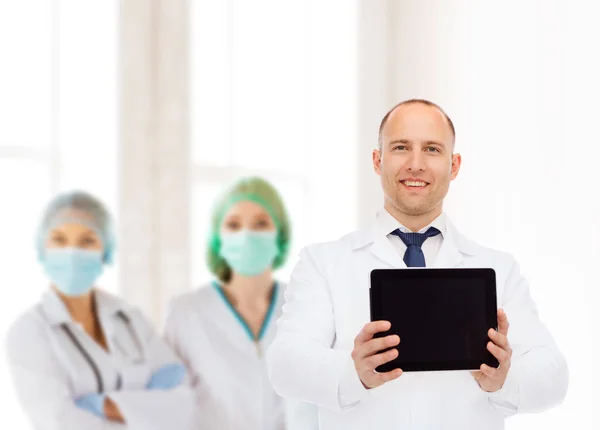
[274, 94]
[58, 105]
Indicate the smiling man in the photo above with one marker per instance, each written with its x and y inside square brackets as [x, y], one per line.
[416, 138]
[325, 353]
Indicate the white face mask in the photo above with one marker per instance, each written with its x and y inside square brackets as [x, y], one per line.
[73, 270]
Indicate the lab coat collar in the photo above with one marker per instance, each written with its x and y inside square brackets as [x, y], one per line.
[386, 223]
[454, 246]
[56, 312]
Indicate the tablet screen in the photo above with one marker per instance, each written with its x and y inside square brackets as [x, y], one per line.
[442, 319]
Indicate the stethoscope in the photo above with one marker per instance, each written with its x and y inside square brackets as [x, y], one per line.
[86, 355]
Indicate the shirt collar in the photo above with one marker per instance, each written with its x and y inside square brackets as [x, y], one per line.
[387, 223]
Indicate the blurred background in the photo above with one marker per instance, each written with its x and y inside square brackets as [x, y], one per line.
[154, 106]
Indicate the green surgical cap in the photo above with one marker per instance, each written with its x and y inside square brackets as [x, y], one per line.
[256, 190]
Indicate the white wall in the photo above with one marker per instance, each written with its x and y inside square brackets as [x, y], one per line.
[375, 79]
[519, 81]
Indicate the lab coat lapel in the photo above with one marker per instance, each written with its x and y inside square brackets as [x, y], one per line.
[54, 309]
[105, 313]
[120, 332]
[384, 250]
[448, 256]
[455, 247]
[378, 244]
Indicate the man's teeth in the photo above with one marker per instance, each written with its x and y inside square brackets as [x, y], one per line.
[414, 183]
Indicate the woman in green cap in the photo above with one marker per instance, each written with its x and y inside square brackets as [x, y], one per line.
[222, 331]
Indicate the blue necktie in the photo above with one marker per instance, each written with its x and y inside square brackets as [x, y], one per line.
[413, 257]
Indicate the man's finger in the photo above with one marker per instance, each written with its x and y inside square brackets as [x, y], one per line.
[373, 346]
[502, 355]
[377, 360]
[490, 372]
[391, 375]
[502, 322]
[382, 378]
[499, 339]
[369, 330]
[477, 375]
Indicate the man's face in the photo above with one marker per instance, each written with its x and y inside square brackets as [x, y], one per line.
[416, 161]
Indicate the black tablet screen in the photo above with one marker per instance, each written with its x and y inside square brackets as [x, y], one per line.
[442, 321]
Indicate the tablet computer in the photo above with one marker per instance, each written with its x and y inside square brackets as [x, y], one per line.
[441, 315]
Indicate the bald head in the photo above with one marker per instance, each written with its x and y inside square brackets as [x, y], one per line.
[422, 102]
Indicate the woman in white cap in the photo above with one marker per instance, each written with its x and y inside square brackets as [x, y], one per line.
[82, 358]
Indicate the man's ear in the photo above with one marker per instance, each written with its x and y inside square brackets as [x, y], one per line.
[455, 168]
[377, 161]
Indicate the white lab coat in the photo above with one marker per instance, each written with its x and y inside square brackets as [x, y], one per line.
[327, 304]
[228, 367]
[50, 371]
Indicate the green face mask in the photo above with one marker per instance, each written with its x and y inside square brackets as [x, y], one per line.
[249, 253]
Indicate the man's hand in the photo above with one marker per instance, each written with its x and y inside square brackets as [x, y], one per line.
[366, 354]
[490, 379]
